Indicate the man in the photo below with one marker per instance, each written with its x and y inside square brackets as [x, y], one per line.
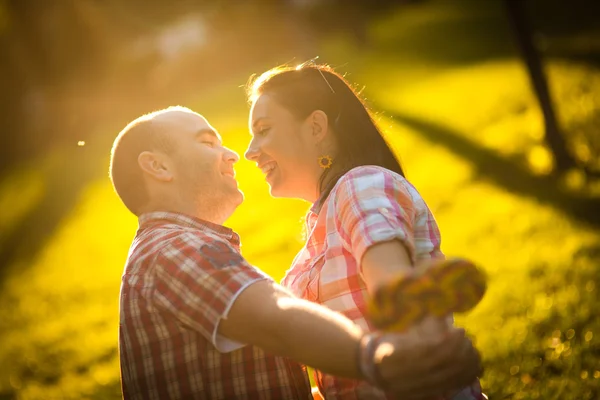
[198, 322]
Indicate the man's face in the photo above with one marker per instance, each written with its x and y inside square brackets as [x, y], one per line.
[202, 168]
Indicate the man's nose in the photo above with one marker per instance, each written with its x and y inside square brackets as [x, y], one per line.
[231, 156]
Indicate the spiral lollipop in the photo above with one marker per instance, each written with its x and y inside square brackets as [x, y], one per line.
[448, 286]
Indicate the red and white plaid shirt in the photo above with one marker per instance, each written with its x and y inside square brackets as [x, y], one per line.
[181, 278]
[368, 205]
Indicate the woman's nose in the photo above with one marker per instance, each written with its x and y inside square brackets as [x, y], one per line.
[252, 152]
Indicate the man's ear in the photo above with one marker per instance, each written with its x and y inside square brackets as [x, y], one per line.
[155, 165]
[320, 125]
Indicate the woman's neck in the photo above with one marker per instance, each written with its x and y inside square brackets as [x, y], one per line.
[327, 184]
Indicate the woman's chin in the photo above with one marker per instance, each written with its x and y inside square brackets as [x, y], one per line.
[273, 190]
[278, 191]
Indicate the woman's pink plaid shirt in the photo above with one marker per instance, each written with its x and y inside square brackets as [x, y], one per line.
[368, 205]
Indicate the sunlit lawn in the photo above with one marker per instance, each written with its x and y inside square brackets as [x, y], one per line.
[536, 328]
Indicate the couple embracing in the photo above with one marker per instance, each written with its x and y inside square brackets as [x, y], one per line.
[197, 321]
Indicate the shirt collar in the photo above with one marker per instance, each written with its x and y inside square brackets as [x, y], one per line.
[316, 207]
[155, 218]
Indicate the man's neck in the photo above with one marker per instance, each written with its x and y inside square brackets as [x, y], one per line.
[215, 214]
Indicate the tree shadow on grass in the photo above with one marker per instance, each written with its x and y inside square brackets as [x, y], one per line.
[64, 183]
[504, 172]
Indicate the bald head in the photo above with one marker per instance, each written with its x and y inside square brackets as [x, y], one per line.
[151, 132]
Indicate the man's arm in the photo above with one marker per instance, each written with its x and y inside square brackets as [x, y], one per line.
[267, 316]
[214, 290]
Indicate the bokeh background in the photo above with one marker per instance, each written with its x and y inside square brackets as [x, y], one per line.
[492, 106]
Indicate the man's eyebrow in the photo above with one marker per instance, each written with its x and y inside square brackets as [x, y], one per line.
[208, 131]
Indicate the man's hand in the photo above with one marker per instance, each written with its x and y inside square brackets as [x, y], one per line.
[417, 366]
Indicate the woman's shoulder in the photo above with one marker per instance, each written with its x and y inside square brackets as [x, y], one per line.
[371, 175]
[373, 180]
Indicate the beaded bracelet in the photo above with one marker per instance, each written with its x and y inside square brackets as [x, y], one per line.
[366, 360]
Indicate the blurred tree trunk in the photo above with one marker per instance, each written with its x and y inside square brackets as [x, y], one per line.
[524, 35]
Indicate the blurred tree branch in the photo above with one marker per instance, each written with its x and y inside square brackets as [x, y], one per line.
[506, 173]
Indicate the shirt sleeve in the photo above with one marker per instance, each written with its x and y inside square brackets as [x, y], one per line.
[374, 205]
[198, 282]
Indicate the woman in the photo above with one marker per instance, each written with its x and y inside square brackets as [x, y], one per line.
[314, 139]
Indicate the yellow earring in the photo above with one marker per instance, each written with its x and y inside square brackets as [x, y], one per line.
[325, 161]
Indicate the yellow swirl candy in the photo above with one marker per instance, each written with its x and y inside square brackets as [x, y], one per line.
[448, 286]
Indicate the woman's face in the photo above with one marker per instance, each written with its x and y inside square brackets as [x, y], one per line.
[285, 149]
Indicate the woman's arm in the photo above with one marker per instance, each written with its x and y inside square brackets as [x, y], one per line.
[384, 262]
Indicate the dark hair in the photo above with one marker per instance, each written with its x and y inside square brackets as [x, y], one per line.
[143, 134]
[311, 87]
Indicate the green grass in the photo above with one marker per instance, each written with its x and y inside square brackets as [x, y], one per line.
[536, 328]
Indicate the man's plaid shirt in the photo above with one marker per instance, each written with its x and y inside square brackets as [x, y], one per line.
[181, 278]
